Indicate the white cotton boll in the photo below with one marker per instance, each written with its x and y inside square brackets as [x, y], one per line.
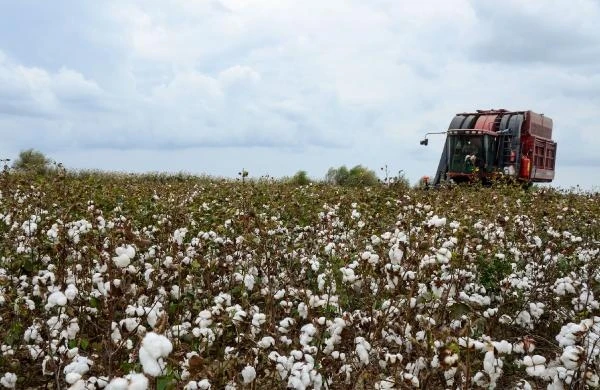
[249, 374]
[535, 370]
[249, 282]
[130, 323]
[204, 384]
[436, 221]
[373, 259]
[80, 385]
[150, 365]
[57, 298]
[386, 384]
[266, 342]
[396, 254]
[137, 381]
[362, 350]
[71, 292]
[239, 316]
[258, 319]
[122, 260]
[80, 365]
[491, 365]
[175, 292]
[157, 345]
[130, 251]
[348, 275]
[72, 377]
[536, 309]
[538, 359]
[297, 355]
[279, 294]
[302, 310]
[329, 248]
[154, 348]
[503, 346]
[414, 381]
[307, 333]
[524, 319]
[118, 384]
[29, 227]
[480, 379]
[8, 380]
[451, 359]
[570, 357]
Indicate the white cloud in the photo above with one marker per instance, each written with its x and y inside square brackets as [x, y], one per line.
[35, 91]
[238, 75]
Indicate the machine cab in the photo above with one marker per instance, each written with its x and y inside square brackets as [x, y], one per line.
[470, 153]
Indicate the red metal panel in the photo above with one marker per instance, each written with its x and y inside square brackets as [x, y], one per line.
[485, 122]
[539, 125]
[541, 175]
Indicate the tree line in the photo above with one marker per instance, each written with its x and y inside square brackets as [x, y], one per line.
[34, 161]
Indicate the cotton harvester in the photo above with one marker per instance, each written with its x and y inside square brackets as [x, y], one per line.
[490, 144]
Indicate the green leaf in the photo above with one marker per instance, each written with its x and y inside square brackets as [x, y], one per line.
[166, 382]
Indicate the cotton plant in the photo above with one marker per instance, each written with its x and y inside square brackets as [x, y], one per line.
[387, 283]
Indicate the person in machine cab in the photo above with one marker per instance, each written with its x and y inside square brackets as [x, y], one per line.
[473, 153]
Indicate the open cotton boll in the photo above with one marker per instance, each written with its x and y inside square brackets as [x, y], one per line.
[436, 221]
[249, 282]
[396, 254]
[72, 377]
[362, 350]
[266, 342]
[122, 260]
[79, 385]
[249, 374]
[71, 292]
[118, 384]
[9, 380]
[137, 381]
[80, 365]
[204, 384]
[150, 365]
[57, 298]
[154, 348]
[128, 250]
[124, 256]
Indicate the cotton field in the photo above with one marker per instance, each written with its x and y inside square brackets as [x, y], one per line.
[129, 282]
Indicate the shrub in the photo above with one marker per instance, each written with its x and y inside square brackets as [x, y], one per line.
[31, 160]
[300, 179]
[358, 176]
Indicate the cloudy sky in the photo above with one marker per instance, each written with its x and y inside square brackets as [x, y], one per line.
[275, 86]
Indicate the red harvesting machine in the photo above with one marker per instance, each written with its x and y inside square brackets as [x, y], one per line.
[488, 144]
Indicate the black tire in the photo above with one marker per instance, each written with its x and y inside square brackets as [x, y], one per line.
[514, 124]
[469, 122]
[504, 122]
[456, 122]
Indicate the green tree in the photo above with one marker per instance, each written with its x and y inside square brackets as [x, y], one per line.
[358, 176]
[300, 179]
[31, 160]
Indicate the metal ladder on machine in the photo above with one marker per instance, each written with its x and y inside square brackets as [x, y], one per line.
[506, 144]
[503, 142]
